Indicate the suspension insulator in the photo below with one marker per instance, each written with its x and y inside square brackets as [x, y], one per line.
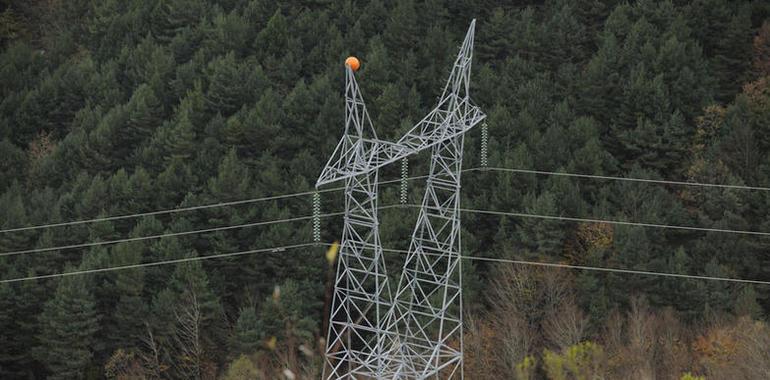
[404, 179]
[484, 142]
[316, 217]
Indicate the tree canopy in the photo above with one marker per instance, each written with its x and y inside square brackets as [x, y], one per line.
[119, 107]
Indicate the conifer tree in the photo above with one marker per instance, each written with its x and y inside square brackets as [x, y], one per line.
[565, 38]
[497, 29]
[131, 309]
[233, 181]
[14, 215]
[542, 237]
[732, 58]
[145, 112]
[68, 326]
[377, 72]
[390, 108]
[12, 167]
[230, 32]
[174, 183]
[248, 332]
[634, 251]
[285, 316]
[9, 353]
[300, 113]
[180, 140]
[403, 26]
[226, 92]
[761, 52]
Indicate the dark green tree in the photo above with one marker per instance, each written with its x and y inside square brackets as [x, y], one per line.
[273, 39]
[175, 182]
[145, 113]
[9, 354]
[732, 55]
[497, 30]
[248, 335]
[403, 26]
[227, 85]
[68, 327]
[131, 309]
[233, 181]
[542, 237]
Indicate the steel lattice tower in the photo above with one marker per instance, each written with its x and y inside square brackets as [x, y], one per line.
[420, 334]
[427, 311]
[361, 291]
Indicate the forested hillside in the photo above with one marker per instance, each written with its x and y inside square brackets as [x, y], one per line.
[118, 107]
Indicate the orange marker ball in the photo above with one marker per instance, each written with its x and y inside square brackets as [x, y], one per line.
[353, 62]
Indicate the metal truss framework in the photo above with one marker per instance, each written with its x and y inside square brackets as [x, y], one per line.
[427, 312]
[417, 333]
[356, 337]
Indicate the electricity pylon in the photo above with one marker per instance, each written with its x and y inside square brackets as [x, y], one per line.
[427, 307]
[356, 337]
[364, 340]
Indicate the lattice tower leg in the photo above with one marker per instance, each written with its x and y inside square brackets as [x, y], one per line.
[427, 311]
[356, 337]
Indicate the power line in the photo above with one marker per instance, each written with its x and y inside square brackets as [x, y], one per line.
[170, 234]
[284, 196]
[156, 263]
[624, 271]
[493, 212]
[600, 269]
[628, 179]
[167, 211]
[617, 222]
[190, 208]
[477, 211]
[593, 268]
[472, 258]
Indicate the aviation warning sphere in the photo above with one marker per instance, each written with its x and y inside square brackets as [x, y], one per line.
[353, 62]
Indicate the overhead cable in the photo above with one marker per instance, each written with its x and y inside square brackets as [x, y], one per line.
[156, 263]
[472, 258]
[627, 179]
[187, 209]
[600, 269]
[616, 222]
[284, 196]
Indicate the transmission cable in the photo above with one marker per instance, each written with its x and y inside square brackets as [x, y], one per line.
[159, 236]
[617, 222]
[167, 211]
[283, 196]
[628, 179]
[191, 208]
[181, 233]
[472, 258]
[157, 263]
[466, 210]
[594, 268]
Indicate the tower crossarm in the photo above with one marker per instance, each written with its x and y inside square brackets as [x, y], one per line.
[355, 156]
[454, 115]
